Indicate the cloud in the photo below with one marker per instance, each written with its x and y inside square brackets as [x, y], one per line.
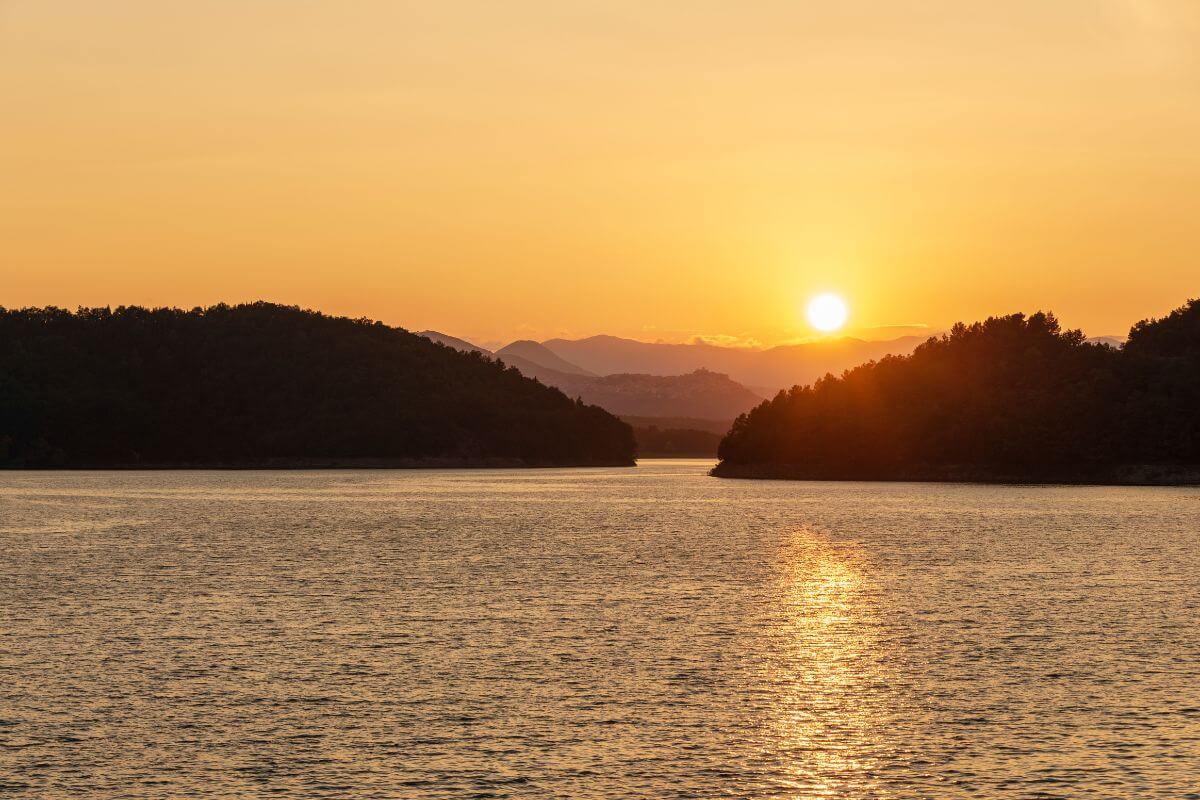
[727, 340]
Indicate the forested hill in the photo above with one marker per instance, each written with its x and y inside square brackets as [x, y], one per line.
[272, 385]
[1012, 399]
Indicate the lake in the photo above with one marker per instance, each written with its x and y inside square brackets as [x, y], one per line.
[594, 633]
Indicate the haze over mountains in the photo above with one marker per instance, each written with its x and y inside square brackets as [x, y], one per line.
[451, 341]
[767, 371]
[700, 394]
[680, 398]
[541, 355]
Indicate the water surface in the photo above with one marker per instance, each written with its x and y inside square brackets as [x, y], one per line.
[593, 633]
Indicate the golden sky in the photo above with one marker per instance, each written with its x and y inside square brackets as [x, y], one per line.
[531, 168]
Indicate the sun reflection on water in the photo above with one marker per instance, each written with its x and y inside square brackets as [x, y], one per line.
[828, 667]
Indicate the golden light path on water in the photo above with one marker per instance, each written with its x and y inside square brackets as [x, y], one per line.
[826, 664]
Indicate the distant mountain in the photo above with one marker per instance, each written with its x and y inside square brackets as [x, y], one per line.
[566, 381]
[461, 345]
[772, 369]
[1111, 341]
[540, 355]
[701, 394]
[270, 385]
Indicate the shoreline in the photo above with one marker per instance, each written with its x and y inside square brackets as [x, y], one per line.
[1127, 475]
[281, 464]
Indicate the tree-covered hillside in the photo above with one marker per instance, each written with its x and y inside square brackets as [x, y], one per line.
[269, 384]
[701, 394]
[1012, 398]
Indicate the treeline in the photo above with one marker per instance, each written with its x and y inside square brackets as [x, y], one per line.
[1011, 398]
[264, 384]
[701, 394]
[656, 442]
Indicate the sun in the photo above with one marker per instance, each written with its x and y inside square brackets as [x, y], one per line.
[827, 312]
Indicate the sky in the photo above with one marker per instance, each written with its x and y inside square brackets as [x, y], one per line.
[657, 170]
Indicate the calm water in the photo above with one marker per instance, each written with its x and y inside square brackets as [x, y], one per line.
[646, 632]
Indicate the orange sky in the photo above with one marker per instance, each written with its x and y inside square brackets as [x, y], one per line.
[535, 168]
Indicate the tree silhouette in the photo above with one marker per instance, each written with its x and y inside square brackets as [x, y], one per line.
[248, 384]
[1011, 397]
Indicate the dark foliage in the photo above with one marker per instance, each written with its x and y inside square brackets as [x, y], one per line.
[655, 442]
[1177, 334]
[261, 382]
[1014, 396]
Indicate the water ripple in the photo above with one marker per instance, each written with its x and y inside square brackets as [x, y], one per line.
[593, 634]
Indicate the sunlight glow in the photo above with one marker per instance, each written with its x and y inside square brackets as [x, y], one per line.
[827, 312]
[833, 677]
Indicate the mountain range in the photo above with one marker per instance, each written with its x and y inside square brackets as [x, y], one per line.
[678, 397]
[700, 393]
[526, 350]
[763, 371]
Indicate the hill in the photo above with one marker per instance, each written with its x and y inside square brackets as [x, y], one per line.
[656, 442]
[772, 369]
[542, 356]
[677, 437]
[674, 415]
[1013, 398]
[270, 385]
[701, 394]
[462, 345]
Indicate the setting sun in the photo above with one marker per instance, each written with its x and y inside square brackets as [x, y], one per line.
[827, 312]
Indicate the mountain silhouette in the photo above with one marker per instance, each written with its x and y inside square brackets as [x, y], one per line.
[270, 385]
[766, 370]
[541, 355]
[462, 345]
[1012, 398]
[699, 394]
